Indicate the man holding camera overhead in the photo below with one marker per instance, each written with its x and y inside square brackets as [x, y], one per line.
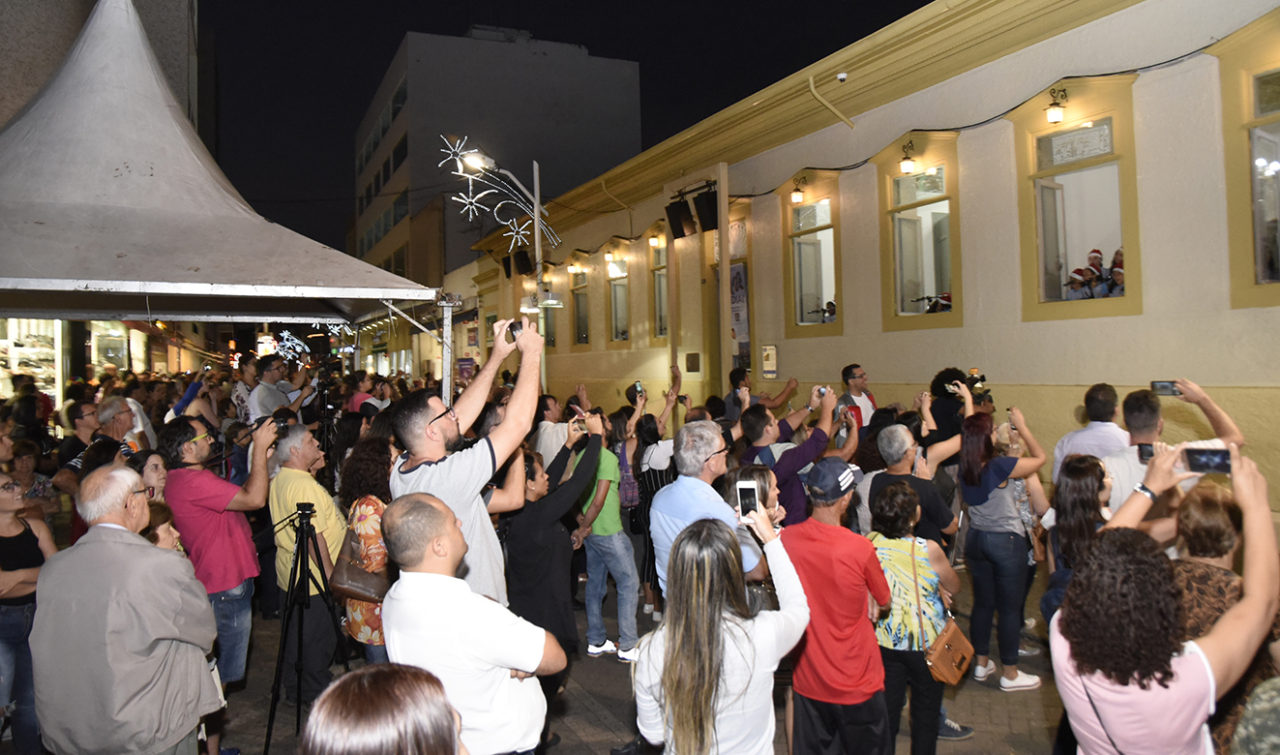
[432, 432]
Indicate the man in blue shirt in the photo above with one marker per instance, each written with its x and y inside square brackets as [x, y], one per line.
[700, 455]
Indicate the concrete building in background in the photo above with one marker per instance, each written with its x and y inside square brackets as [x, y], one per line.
[517, 98]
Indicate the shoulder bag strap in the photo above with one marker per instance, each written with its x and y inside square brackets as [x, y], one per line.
[1098, 716]
[915, 577]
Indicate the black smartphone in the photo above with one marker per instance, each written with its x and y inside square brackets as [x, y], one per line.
[1165, 388]
[514, 329]
[746, 497]
[1208, 460]
[683, 397]
[1145, 450]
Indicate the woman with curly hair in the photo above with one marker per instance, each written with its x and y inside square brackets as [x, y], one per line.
[997, 547]
[1129, 679]
[366, 486]
[704, 678]
[1209, 525]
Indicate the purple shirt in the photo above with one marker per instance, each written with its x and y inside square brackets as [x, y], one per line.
[786, 468]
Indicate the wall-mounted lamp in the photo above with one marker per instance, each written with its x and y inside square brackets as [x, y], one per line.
[797, 193]
[655, 242]
[907, 165]
[608, 256]
[529, 305]
[1056, 109]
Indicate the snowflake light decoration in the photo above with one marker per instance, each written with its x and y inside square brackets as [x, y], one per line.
[291, 347]
[512, 203]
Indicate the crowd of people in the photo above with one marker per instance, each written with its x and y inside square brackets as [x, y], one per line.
[815, 552]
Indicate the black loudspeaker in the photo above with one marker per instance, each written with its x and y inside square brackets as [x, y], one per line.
[705, 204]
[523, 265]
[680, 218]
[506, 266]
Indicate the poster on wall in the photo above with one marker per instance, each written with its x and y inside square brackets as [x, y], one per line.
[466, 369]
[473, 336]
[739, 316]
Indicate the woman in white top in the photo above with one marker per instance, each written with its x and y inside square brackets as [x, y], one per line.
[704, 679]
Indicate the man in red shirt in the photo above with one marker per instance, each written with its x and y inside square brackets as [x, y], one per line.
[839, 678]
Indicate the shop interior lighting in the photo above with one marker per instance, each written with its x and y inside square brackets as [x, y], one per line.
[1056, 109]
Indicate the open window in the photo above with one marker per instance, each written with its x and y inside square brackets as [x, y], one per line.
[1078, 201]
[811, 269]
[919, 232]
[1249, 67]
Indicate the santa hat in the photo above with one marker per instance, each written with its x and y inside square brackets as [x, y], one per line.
[1117, 269]
[1095, 253]
[1076, 275]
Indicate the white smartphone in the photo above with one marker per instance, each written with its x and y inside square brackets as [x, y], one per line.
[746, 498]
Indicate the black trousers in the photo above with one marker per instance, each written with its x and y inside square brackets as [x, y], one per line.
[907, 668]
[833, 729]
[318, 645]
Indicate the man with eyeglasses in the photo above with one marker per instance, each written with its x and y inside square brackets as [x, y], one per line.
[268, 395]
[115, 420]
[856, 399]
[700, 454]
[83, 418]
[208, 514]
[119, 641]
[432, 464]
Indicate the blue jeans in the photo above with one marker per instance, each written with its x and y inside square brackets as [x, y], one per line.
[233, 613]
[998, 563]
[17, 686]
[375, 654]
[611, 554]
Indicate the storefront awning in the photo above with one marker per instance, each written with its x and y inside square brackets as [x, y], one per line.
[111, 208]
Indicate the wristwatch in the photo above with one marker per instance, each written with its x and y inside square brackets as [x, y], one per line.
[1143, 489]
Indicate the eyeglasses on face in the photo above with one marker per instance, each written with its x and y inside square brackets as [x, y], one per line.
[723, 450]
[199, 437]
[11, 486]
[149, 492]
[446, 413]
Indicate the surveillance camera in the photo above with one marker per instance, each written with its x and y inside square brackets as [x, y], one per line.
[842, 77]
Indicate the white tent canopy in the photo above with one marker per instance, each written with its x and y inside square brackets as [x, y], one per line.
[111, 208]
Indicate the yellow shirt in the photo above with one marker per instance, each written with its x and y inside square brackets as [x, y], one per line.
[289, 488]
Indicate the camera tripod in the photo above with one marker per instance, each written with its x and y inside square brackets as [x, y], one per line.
[298, 600]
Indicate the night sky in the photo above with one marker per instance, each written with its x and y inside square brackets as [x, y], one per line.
[294, 78]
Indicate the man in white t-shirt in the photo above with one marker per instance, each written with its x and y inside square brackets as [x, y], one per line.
[1101, 437]
[432, 432]
[484, 655]
[269, 396]
[856, 398]
[1142, 417]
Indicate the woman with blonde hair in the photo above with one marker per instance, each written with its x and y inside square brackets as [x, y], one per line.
[704, 677]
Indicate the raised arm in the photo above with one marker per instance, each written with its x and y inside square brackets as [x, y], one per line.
[1159, 478]
[510, 496]
[253, 494]
[472, 400]
[507, 436]
[1234, 639]
[1035, 458]
[775, 401]
[1223, 426]
[667, 409]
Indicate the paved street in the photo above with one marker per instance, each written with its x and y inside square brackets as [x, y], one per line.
[596, 711]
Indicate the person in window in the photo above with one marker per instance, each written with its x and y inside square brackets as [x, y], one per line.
[1116, 287]
[1076, 288]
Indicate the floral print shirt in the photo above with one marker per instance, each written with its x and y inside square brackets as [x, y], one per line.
[364, 620]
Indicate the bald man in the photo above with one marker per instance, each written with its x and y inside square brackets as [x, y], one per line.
[483, 654]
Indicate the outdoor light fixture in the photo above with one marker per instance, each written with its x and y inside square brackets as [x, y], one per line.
[655, 242]
[1056, 109]
[797, 193]
[907, 165]
[479, 161]
[547, 298]
[529, 305]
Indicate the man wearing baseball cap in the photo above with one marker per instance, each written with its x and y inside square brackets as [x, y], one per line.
[839, 678]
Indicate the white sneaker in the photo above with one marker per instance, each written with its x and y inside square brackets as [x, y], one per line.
[1030, 623]
[629, 656]
[980, 673]
[1023, 681]
[648, 608]
[1028, 651]
[607, 647]
[657, 616]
